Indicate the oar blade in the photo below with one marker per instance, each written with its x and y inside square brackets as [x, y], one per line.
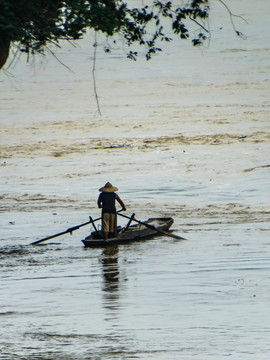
[154, 228]
[177, 237]
[70, 230]
[48, 238]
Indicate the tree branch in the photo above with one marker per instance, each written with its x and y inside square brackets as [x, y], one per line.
[204, 28]
[238, 33]
[53, 54]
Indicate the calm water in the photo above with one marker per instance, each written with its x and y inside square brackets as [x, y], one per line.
[158, 299]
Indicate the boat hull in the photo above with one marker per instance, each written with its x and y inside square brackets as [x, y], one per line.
[133, 233]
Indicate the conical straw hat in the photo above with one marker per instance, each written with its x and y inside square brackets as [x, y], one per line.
[108, 188]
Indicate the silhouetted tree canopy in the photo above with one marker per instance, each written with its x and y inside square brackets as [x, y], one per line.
[35, 24]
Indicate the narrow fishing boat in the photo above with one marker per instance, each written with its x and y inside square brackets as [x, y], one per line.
[139, 231]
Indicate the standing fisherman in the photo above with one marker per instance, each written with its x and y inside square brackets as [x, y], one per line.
[106, 201]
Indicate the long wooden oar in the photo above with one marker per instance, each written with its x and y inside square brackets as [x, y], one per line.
[154, 228]
[69, 230]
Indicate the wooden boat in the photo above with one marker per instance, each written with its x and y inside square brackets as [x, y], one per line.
[139, 231]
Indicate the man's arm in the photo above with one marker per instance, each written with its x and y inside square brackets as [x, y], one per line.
[99, 202]
[120, 202]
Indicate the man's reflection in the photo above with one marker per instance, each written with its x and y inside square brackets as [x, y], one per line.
[110, 272]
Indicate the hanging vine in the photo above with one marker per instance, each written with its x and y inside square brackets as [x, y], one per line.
[94, 74]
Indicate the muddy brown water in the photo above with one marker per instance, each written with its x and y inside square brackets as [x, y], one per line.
[177, 141]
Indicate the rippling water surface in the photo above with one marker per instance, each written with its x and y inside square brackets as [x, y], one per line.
[157, 299]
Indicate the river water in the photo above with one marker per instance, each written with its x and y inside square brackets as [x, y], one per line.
[185, 135]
